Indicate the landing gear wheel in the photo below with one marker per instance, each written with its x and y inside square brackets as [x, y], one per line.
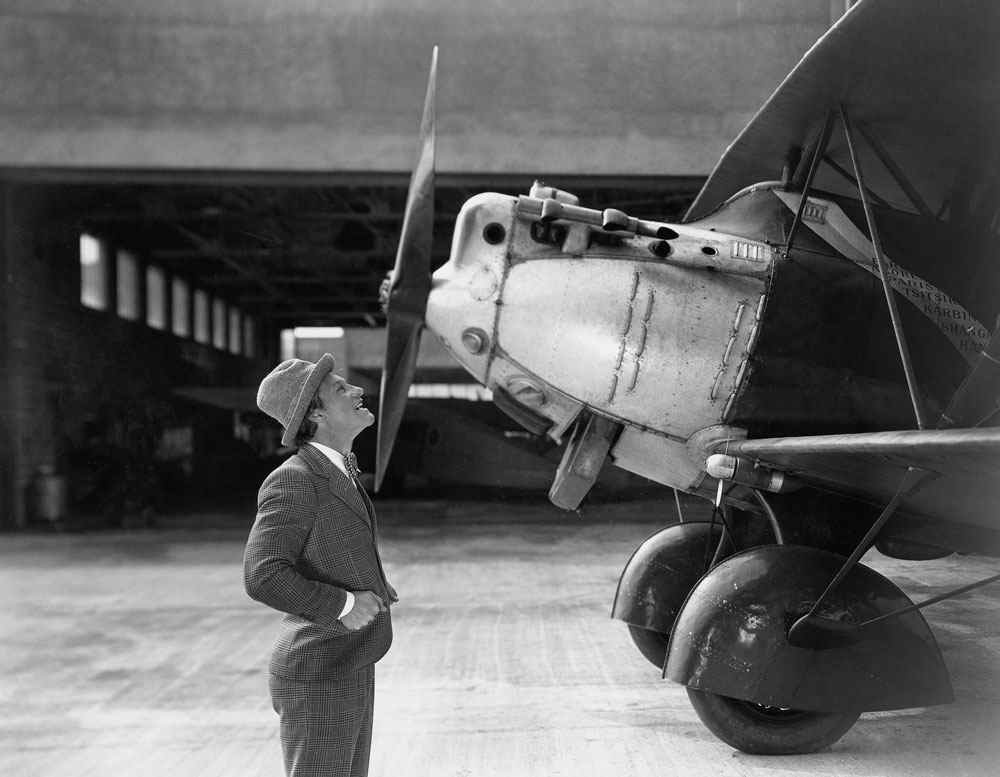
[652, 644]
[761, 730]
[657, 580]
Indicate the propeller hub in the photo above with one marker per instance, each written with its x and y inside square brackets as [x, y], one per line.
[384, 290]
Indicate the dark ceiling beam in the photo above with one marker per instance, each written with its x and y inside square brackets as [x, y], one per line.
[361, 179]
[235, 253]
[317, 304]
[324, 299]
[144, 219]
[332, 316]
[279, 254]
[340, 277]
[327, 318]
[216, 251]
[263, 253]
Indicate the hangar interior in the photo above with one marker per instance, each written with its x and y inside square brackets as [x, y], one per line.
[181, 184]
[194, 190]
[146, 310]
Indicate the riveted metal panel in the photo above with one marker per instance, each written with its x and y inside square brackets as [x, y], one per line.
[657, 344]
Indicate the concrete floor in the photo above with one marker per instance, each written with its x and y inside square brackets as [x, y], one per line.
[139, 654]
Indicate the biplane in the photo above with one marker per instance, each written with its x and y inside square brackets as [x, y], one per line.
[814, 350]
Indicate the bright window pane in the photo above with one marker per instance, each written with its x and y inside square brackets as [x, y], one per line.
[287, 344]
[219, 324]
[317, 332]
[249, 335]
[93, 273]
[156, 301]
[235, 331]
[128, 286]
[180, 308]
[468, 391]
[202, 327]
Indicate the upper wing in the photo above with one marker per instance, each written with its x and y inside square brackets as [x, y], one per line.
[920, 79]
[964, 464]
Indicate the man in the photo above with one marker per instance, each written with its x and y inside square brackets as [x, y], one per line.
[313, 554]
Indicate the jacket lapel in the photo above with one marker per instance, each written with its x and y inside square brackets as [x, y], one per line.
[341, 485]
[368, 506]
[344, 489]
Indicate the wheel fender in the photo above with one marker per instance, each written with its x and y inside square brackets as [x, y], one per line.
[730, 637]
[661, 573]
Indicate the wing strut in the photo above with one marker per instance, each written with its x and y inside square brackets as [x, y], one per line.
[818, 156]
[809, 630]
[897, 327]
[896, 172]
[846, 175]
[827, 633]
[821, 143]
[975, 402]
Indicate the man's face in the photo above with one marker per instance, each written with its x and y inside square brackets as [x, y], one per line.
[344, 413]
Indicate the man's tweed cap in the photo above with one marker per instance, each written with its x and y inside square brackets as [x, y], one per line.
[288, 389]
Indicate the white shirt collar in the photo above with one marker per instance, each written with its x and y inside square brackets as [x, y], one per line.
[334, 456]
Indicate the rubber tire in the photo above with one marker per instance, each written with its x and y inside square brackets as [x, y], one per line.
[652, 644]
[769, 731]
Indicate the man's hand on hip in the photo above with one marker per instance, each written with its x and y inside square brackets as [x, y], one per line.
[366, 606]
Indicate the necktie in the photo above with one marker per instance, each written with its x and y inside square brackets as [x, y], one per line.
[351, 462]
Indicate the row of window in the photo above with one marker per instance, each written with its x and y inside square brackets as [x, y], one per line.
[192, 313]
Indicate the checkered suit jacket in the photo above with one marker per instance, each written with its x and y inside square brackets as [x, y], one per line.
[315, 538]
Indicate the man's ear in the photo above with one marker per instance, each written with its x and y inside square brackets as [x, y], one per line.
[316, 413]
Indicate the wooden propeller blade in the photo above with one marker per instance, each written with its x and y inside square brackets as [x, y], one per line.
[411, 275]
[409, 287]
[402, 346]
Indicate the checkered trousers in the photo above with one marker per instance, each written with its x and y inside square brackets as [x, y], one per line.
[314, 539]
[326, 727]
